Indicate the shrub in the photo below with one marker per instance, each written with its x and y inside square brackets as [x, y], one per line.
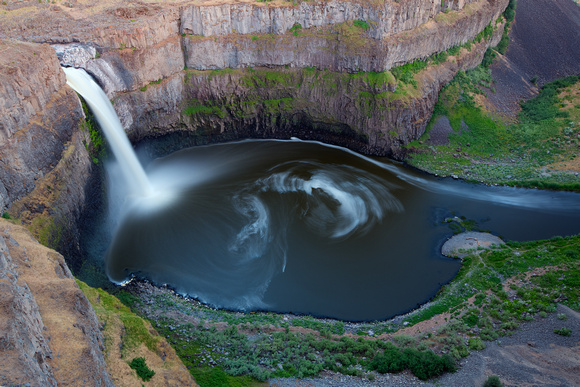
[510, 11]
[6, 215]
[454, 50]
[488, 57]
[361, 24]
[503, 44]
[423, 364]
[563, 331]
[476, 344]
[296, 28]
[144, 372]
[390, 361]
[544, 105]
[493, 381]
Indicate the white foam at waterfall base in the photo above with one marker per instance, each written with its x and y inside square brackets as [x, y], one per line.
[105, 114]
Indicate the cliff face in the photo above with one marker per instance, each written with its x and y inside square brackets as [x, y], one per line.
[39, 129]
[342, 46]
[369, 112]
[49, 334]
[386, 17]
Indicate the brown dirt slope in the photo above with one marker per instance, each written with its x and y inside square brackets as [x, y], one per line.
[68, 322]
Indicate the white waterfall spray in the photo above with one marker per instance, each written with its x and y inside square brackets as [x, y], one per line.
[101, 107]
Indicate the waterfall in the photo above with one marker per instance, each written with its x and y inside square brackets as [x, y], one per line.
[103, 110]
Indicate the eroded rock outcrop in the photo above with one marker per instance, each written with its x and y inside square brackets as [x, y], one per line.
[370, 113]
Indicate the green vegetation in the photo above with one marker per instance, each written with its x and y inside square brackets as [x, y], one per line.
[361, 24]
[508, 15]
[285, 353]
[545, 106]
[485, 149]
[277, 94]
[295, 29]
[194, 107]
[485, 34]
[6, 215]
[493, 381]
[144, 372]
[116, 315]
[424, 364]
[563, 331]
[510, 12]
[405, 73]
[96, 145]
[483, 303]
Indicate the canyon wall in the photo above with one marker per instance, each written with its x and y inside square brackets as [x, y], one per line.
[386, 18]
[341, 46]
[368, 112]
[44, 163]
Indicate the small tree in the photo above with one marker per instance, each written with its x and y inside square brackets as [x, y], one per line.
[144, 372]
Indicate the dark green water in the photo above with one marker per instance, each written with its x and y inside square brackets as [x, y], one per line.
[301, 227]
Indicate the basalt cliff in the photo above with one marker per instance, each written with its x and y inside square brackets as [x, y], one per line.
[364, 75]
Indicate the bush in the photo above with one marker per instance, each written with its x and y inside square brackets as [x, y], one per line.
[544, 105]
[6, 215]
[563, 331]
[510, 11]
[361, 24]
[493, 381]
[390, 361]
[488, 57]
[503, 44]
[144, 372]
[296, 28]
[476, 344]
[423, 364]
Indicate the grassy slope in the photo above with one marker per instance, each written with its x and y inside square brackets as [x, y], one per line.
[128, 336]
[540, 150]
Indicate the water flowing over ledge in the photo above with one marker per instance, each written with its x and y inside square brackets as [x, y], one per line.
[97, 100]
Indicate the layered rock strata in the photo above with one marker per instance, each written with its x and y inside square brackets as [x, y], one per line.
[44, 163]
[386, 18]
[367, 112]
[340, 47]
